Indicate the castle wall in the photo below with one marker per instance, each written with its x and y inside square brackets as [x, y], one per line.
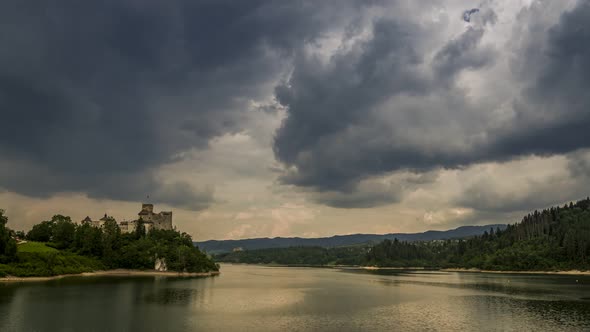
[131, 226]
[162, 220]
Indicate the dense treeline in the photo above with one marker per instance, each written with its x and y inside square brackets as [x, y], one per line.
[85, 248]
[553, 239]
[304, 256]
[403, 254]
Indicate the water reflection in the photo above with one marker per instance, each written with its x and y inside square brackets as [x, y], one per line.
[251, 298]
[541, 286]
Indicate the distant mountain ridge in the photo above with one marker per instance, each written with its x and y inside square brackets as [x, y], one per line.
[220, 246]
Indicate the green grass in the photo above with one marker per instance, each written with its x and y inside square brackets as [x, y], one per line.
[35, 247]
[49, 263]
[36, 259]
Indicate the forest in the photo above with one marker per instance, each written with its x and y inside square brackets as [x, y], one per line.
[556, 238]
[299, 256]
[59, 246]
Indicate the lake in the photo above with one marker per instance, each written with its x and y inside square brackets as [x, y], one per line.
[256, 298]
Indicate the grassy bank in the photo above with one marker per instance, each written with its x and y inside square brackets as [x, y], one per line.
[32, 246]
[38, 261]
[35, 259]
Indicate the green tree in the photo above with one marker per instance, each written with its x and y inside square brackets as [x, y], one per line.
[63, 231]
[88, 240]
[20, 234]
[41, 232]
[137, 250]
[111, 242]
[7, 243]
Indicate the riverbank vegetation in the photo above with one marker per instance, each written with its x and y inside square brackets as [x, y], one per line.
[59, 246]
[557, 238]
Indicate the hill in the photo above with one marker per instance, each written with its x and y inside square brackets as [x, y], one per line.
[221, 246]
[556, 238]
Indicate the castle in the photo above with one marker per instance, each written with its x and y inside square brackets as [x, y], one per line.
[151, 220]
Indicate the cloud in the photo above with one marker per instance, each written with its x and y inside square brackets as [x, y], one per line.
[99, 96]
[375, 191]
[402, 99]
[467, 14]
[462, 53]
[175, 99]
[376, 107]
[527, 184]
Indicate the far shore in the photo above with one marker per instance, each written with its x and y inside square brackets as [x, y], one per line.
[357, 267]
[568, 272]
[114, 273]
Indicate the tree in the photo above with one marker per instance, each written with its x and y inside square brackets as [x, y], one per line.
[20, 234]
[136, 250]
[111, 241]
[63, 231]
[42, 232]
[7, 243]
[88, 240]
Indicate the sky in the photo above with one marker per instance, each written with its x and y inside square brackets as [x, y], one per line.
[302, 118]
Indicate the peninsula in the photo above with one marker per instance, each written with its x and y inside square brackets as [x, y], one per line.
[148, 245]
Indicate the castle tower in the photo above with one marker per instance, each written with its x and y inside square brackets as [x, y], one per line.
[162, 220]
[147, 207]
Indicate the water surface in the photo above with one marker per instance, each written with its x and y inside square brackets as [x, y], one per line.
[255, 298]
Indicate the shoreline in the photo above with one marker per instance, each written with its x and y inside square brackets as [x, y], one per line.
[566, 272]
[114, 273]
[421, 268]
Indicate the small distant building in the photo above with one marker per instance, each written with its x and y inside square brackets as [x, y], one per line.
[95, 223]
[102, 220]
[86, 220]
[237, 249]
[151, 220]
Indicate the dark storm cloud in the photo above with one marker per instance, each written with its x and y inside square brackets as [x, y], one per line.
[94, 97]
[374, 192]
[554, 117]
[462, 53]
[357, 199]
[467, 14]
[553, 112]
[324, 102]
[332, 136]
[381, 106]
